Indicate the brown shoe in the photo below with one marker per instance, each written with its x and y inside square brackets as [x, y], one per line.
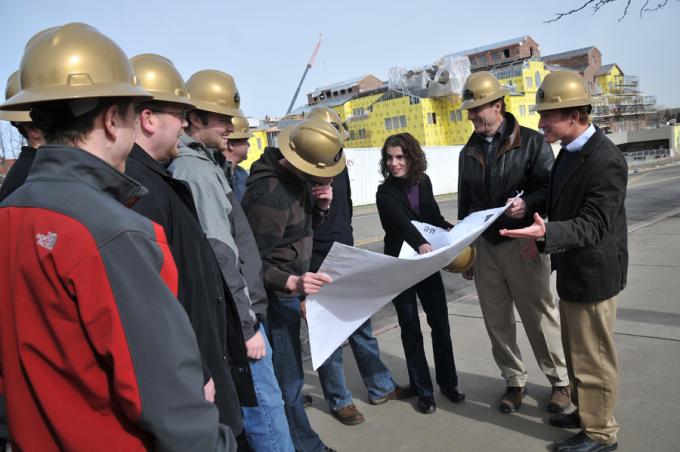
[560, 399]
[349, 415]
[512, 399]
[399, 393]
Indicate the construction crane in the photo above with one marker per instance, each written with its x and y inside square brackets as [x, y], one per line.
[304, 74]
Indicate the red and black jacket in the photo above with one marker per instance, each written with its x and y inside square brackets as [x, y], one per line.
[95, 349]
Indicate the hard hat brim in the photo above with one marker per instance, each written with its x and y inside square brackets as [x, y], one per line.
[164, 97]
[15, 116]
[545, 106]
[212, 108]
[32, 96]
[239, 135]
[472, 103]
[303, 165]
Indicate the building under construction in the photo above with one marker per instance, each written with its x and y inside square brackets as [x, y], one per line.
[426, 100]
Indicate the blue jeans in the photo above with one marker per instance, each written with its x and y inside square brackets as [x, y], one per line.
[265, 426]
[377, 378]
[284, 327]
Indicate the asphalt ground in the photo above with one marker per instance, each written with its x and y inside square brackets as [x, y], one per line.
[647, 335]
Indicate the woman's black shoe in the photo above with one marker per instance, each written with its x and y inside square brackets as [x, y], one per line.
[426, 405]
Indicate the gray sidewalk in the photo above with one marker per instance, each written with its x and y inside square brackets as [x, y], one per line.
[648, 341]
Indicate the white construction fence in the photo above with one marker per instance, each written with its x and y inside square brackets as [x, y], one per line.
[364, 171]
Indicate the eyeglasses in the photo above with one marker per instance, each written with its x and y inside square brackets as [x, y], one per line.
[181, 115]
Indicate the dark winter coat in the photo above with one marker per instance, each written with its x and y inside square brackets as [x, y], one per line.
[98, 353]
[281, 212]
[523, 163]
[202, 291]
[337, 226]
[396, 213]
[587, 233]
[18, 172]
[227, 229]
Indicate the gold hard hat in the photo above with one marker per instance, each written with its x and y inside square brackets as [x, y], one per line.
[159, 77]
[73, 61]
[11, 90]
[331, 116]
[562, 89]
[241, 128]
[463, 261]
[481, 88]
[314, 147]
[214, 91]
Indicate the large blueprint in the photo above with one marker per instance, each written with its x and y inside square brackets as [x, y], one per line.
[364, 281]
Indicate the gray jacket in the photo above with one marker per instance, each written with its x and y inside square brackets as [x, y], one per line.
[226, 228]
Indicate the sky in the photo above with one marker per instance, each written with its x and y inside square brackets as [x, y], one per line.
[265, 45]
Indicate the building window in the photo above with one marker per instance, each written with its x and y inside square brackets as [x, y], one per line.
[537, 78]
[432, 118]
[388, 123]
[522, 110]
[528, 82]
[402, 121]
[352, 135]
[452, 116]
[413, 100]
[506, 53]
[259, 142]
[482, 59]
[361, 134]
[358, 111]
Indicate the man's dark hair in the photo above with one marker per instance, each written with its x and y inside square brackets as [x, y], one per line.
[502, 101]
[583, 112]
[415, 157]
[22, 130]
[202, 116]
[60, 126]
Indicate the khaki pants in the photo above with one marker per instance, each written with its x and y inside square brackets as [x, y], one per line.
[588, 337]
[514, 272]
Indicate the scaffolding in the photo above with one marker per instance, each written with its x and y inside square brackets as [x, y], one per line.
[623, 107]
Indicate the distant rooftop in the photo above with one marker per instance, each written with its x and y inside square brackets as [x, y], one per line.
[605, 68]
[350, 82]
[495, 45]
[568, 54]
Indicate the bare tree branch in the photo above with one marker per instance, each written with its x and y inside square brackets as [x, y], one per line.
[598, 4]
[558, 16]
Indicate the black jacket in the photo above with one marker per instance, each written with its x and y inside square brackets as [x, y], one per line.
[396, 213]
[337, 226]
[523, 163]
[587, 231]
[202, 291]
[18, 172]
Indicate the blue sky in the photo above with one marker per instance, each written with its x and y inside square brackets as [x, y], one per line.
[265, 45]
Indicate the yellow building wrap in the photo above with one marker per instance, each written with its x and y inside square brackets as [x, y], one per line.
[610, 82]
[257, 144]
[436, 121]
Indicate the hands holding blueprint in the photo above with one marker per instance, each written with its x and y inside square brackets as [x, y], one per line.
[364, 281]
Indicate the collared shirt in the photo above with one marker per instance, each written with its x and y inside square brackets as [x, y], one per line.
[582, 139]
[493, 142]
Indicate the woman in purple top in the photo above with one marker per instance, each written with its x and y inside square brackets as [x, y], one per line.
[405, 195]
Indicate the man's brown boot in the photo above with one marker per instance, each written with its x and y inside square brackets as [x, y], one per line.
[349, 415]
[512, 399]
[560, 399]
